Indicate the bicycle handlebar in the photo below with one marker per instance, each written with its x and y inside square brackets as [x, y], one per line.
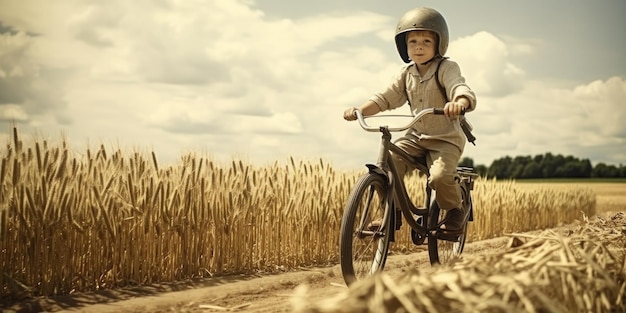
[417, 117]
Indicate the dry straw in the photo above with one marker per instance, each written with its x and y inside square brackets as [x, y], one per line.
[580, 270]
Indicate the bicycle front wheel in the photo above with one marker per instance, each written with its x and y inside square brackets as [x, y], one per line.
[365, 229]
[444, 250]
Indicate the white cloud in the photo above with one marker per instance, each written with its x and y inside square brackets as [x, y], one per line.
[583, 121]
[225, 79]
[28, 90]
[12, 112]
[486, 63]
[521, 46]
[602, 101]
[227, 70]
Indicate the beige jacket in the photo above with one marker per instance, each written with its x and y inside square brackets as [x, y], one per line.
[422, 92]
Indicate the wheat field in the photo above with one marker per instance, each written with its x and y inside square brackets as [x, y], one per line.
[104, 219]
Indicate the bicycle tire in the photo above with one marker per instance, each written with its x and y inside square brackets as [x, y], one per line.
[363, 244]
[444, 251]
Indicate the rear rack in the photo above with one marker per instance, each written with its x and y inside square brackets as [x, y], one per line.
[467, 174]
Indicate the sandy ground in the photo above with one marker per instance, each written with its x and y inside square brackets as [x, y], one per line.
[268, 293]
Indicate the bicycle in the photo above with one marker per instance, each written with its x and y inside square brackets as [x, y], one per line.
[364, 244]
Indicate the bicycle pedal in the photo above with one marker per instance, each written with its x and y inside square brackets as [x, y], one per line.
[448, 236]
[375, 225]
[417, 238]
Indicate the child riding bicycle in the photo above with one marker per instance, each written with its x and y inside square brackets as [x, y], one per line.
[422, 40]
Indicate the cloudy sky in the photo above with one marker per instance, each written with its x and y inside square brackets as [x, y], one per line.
[262, 80]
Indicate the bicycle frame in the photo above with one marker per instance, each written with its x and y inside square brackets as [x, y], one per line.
[386, 167]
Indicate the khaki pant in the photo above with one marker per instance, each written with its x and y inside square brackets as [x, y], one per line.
[445, 156]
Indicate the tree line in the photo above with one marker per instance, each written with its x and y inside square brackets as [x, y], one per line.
[545, 166]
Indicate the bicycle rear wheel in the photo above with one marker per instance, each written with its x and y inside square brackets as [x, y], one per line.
[365, 229]
[443, 250]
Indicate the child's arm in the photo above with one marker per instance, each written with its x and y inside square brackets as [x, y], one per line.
[457, 89]
[369, 108]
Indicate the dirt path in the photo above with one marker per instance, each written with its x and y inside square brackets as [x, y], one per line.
[269, 293]
[263, 293]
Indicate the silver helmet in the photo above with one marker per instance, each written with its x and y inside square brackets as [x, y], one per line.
[422, 19]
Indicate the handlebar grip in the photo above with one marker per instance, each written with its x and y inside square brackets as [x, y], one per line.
[439, 111]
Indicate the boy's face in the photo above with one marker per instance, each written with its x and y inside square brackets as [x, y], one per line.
[421, 45]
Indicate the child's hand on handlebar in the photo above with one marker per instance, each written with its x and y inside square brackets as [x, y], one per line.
[456, 108]
[349, 114]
